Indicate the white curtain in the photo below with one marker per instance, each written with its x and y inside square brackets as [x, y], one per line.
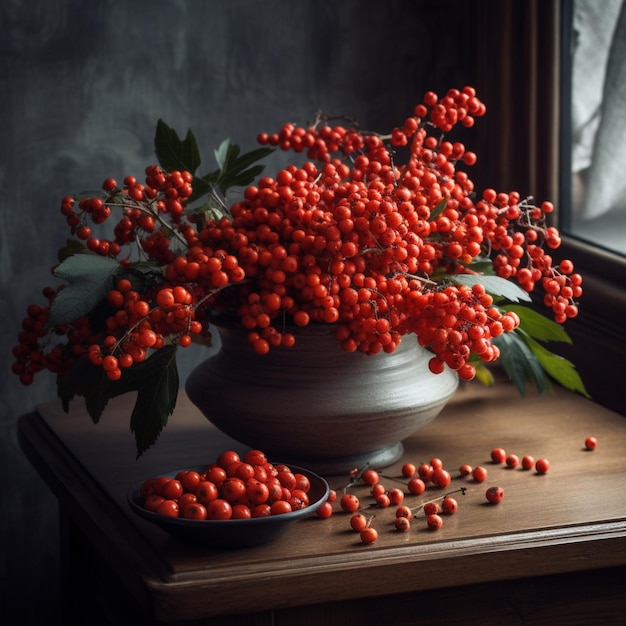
[599, 105]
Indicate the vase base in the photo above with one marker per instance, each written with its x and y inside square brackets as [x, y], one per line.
[336, 466]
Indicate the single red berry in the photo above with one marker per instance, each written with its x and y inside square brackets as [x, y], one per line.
[358, 522]
[383, 500]
[591, 443]
[425, 471]
[498, 455]
[369, 535]
[378, 490]
[408, 470]
[512, 460]
[402, 523]
[436, 463]
[325, 510]
[528, 462]
[195, 510]
[479, 474]
[416, 486]
[168, 508]
[494, 494]
[542, 466]
[465, 470]
[449, 505]
[349, 502]
[432, 508]
[370, 477]
[396, 496]
[434, 522]
[403, 511]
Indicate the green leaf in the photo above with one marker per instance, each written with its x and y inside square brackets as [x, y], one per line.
[537, 325]
[238, 170]
[89, 281]
[155, 380]
[72, 246]
[439, 209]
[484, 375]
[156, 398]
[224, 153]
[559, 368]
[174, 153]
[482, 265]
[240, 179]
[494, 285]
[519, 363]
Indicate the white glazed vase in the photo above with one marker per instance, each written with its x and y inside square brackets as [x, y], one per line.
[317, 405]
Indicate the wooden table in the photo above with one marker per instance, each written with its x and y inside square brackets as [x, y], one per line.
[553, 552]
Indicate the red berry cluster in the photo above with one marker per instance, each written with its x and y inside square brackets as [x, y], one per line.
[417, 479]
[527, 462]
[231, 488]
[348, 238]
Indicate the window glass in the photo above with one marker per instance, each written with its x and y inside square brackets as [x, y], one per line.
[598, 123]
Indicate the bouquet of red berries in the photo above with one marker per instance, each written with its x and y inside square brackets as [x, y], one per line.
[382, 236]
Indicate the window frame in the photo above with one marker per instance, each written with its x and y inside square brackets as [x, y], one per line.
[524, 86]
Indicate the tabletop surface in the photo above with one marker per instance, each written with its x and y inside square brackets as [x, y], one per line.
[572, 518]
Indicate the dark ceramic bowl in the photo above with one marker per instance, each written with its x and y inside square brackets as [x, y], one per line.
[237, 533]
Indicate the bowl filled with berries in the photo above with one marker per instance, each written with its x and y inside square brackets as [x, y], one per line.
[233, 502]
[374, 252]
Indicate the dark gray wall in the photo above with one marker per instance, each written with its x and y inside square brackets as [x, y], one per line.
[82, 84]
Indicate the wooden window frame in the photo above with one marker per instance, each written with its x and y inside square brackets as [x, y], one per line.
[522, 73]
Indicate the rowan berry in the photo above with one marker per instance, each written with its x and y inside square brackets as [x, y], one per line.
[436, 463]
[431, 507]
[369, 535]
[528, 462]
[425, 472]
[152, 502]
[325, 510]
[358, 522]
[195, 511]
[434, 521]
[416, 486]
[172, 490]
[370, 477]
[241, 511]
[378, 489]
[449, 505]
[498, 455]
[479, 474]
[383, 500]
[396, 496]
[409, 470]
[349, 502]
[261, 510]
[228, 457]
[542, 466]
[494, 494]
[219, 509]
[403, 511]
[186, 499]
[168, 508]
[440, 477]
[280, 507]
[465, 470]
[512, 461]
[591, 443]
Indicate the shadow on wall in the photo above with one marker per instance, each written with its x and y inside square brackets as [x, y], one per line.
[83, 87]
